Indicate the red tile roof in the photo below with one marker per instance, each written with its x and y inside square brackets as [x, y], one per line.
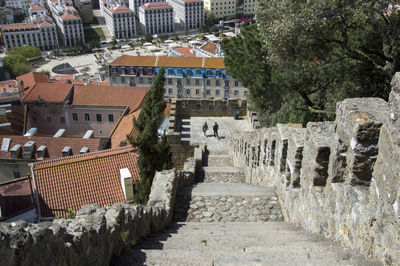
[210, 47]
[49, 92]
[36, 8]
[15, 196]
[125, 127]
[155, 5]
[109, 96]
[8, 86]
[169, 61]
[186, 51]
[30, 79]
[21, 26]
[92, 178]
[54, 145]
[120, 9]
[46, 23]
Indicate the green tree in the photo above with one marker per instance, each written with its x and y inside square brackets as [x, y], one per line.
[148, 37]
[26, 51]
[154, 153]
[210, 18]
[304, 56]
[17, 65]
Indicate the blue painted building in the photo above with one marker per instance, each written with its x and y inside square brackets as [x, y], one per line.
[186, 77]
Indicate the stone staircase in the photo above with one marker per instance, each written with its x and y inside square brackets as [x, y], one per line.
[221, 221]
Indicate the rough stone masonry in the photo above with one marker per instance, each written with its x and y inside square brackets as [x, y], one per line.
[340, 179]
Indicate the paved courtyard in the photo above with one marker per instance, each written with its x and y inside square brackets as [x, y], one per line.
[192, 130]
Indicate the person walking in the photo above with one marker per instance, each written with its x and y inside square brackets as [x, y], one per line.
[205, 128]
[215, 128]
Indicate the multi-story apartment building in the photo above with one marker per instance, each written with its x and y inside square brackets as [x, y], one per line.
[18, 5]
[39, 32]
[6, 15]
[189, 77]
[224, 8]
[120, 20]
[135, 4]
[156, 18]
[68, 22]
[189, 14]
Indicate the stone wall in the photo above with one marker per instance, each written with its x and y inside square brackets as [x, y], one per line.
[97, 233]
[340, 179]
[207, 107]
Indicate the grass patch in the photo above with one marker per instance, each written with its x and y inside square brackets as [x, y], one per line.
[94, 34]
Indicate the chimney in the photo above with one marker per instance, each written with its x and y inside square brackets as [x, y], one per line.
[84, 150]
[5, 144]
[32, 131]
[16, 151]
[29, 149]
[42, 152]
[127, 184]
[67, 151]
[59, 133]
[88, 134]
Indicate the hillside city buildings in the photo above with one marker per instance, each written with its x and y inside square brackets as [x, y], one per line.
[189, 14]
[120, 20]
[224, 8]
[186, 77]
[156, 18]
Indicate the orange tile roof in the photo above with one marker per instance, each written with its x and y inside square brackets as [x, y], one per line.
[155, 5]
[92, 178]
[186, 51]
[169, 61]
[69, 16]
[109, 96]
[125, 127]
[129, 60]
[210, 47]
[54, 145]
[21, 26]
[120, 9]
[46, 23]
[31, 78]
[8, 86]
[36, 8]
[214, 62]
[49, 92]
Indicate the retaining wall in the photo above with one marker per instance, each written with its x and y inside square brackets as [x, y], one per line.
[96, 233]
[340, 179]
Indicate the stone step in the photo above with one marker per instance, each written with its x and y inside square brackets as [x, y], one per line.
[219, 160]
[214, 202]
[223, 174]
[238, 244]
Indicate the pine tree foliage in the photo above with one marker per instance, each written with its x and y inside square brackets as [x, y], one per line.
[154, 154]
[304, 56]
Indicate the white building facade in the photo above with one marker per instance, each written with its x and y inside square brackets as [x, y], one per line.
[156, 18]
[225, 8]
[68, 22]
[120, 20]
[188, 14]
[18, 5]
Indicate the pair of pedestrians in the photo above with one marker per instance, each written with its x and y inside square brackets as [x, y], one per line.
[215, 129]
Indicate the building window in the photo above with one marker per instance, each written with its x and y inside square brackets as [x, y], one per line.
[197, 91]
[87, 117]
[209, 72]
[170, 72]
[169, 81]
[140, 80]
[188, 91]
[179, 82]
[62, 120]
[245, 93]
[34, 119]
[169, 91]
[98, 117]
[179, 92]
[216, 92]
[217, 83]
[208, 92]
[114, 80]
[16, 173]
[236, 93]
[150, 80]
[197, 72]
[226, 83]
[187, 81]
[48, 119]
[123, 80]
[179, 71]
[110, 118]
[208, 82]
[236, 83]
[197, 82]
